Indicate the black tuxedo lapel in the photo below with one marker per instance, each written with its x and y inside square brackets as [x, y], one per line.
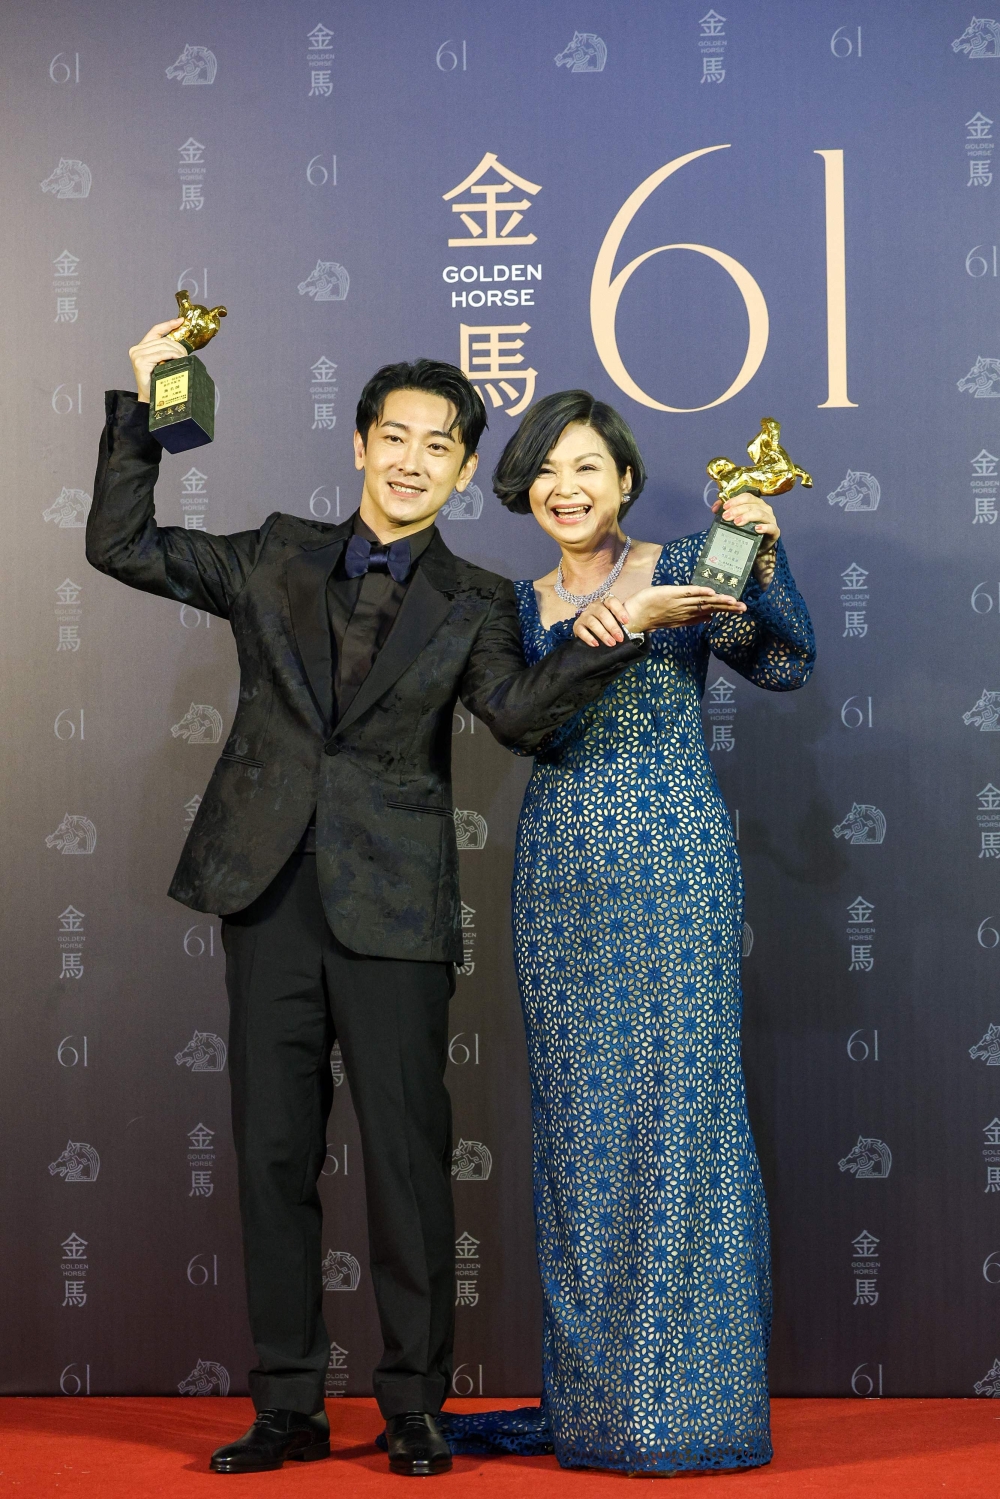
[306, 578]
[422, 611]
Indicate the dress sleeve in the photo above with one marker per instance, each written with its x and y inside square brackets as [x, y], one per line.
[772, 644]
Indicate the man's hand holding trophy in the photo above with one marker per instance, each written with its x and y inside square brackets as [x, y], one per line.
[178, 387]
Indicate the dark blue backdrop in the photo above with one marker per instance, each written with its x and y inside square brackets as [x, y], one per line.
[250, 146]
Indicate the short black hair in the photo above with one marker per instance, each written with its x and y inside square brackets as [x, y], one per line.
[539, 432]
[439, 379]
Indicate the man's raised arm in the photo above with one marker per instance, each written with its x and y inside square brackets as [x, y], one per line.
[123, 539]
[521, 705]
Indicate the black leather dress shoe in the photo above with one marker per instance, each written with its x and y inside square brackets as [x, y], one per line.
[274, 1436]
[416, 1446]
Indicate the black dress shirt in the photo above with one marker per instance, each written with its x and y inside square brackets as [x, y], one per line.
[362, 612]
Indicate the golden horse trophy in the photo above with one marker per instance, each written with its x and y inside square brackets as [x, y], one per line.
[730, 551]
[181, 391]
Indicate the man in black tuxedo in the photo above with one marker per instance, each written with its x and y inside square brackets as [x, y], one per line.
[326, 842]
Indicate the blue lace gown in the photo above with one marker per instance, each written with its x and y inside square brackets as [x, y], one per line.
[651, 1221]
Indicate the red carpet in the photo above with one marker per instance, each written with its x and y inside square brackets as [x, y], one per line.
[131, 1449]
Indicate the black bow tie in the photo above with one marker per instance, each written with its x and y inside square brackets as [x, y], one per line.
[361, 557]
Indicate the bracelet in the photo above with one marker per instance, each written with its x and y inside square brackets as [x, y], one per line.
[636, 635]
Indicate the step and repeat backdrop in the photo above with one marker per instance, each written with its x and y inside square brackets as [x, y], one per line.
[704, 214]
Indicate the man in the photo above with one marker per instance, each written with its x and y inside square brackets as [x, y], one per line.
[326, 842]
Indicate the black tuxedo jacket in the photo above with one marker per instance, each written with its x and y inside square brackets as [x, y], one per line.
[380, 778]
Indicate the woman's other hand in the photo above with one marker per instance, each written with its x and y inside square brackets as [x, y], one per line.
[752, 510]
[666, 607]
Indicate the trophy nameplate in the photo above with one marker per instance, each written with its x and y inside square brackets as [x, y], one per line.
[181, 391]
[729, 553]
[727, 558]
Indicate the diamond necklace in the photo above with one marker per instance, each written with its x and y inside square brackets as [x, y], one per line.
[581, 600]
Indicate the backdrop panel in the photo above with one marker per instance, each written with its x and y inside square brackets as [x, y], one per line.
[703, 217]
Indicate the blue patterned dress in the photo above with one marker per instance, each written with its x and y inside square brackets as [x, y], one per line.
[651, 1221]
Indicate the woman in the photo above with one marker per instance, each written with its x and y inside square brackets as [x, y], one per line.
[650, 1215]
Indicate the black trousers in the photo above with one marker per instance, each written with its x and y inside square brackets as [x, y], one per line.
[294, 990]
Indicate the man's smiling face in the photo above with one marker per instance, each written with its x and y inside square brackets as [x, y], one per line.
[412, 460]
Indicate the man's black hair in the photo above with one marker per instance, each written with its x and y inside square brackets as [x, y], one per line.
[438, 379]
[539, 432]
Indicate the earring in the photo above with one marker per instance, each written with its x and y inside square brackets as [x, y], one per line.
[626, 497]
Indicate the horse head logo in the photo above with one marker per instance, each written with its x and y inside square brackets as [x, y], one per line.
[470, 829]
[586, 53]
[859, 491]
[69, 510]
[205, 1052]
[195, 65]
[985, 715]
[990, 1383]
[863, 824]
[206, 1378]
[988, 1048]
[465, 506]
[341, 1271]
[329, 282]
[981, 38]
[79, 1162]
[981, 379]
[201, 724]
[76, 834]
[869, 1160]
[71, 179]
[471, 1161]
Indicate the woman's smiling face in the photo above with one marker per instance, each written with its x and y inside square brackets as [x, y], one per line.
[577, 493]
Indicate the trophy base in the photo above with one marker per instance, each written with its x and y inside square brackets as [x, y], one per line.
[727, 558]
[182, 404]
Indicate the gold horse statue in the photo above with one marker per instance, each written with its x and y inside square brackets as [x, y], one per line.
[199, 325]
[772, 471]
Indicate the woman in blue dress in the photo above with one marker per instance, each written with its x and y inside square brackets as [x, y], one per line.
[651, 1220]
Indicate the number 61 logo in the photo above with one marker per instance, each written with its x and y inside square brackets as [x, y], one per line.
[606, 291]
